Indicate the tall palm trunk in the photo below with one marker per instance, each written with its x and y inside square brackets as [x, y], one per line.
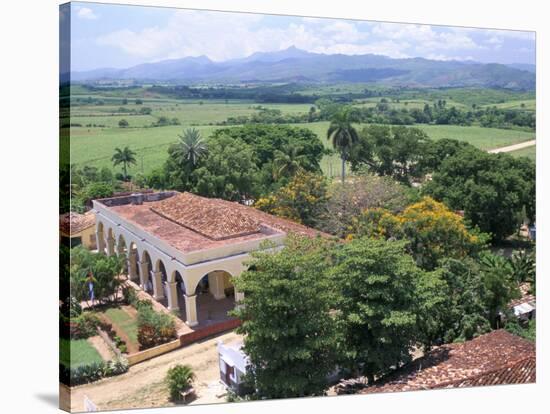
[343, 168]
[125, 171]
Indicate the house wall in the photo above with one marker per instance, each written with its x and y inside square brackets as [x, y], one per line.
[146, 252]
[88, 238]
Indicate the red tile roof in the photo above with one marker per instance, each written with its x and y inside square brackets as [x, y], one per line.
[526, 297]
[213, 218]
[72, 223]
[498, 357]
[189, 222]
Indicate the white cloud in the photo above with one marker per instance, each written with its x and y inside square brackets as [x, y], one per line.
[86, 13]
[222, 36]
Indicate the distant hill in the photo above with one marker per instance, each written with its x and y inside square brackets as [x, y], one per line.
[523, 66]
[301, 66]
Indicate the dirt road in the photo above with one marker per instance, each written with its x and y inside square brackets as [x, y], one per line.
[143, 387]
[514, 147]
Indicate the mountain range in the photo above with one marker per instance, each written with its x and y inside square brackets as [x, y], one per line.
[295, 65]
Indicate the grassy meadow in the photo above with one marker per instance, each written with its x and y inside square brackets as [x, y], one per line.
[95, 131]
[529, 152]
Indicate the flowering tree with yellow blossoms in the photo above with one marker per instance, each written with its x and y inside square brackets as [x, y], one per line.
[431, 228]
[301, 200]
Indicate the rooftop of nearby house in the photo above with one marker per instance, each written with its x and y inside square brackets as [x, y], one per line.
[73, 223]
[189, 222]
[498, 357]
[526, 296]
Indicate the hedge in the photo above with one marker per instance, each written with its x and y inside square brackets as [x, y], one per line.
[85, 374]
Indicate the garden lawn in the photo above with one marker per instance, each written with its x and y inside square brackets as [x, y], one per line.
[125, 322]
[76, 352]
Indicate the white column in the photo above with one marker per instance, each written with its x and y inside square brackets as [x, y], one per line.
[239, 297]
[172, 296]
[191, 310]
[110, 246]
[132, 265]
[143, 274]
[100, 242]
[158, 291]
[216, 285]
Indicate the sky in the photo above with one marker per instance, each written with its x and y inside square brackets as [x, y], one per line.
[119, 36]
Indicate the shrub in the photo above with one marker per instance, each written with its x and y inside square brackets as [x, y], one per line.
[84, 325]
[178, 378]
[85, 374]
[154, 328]
[129, 296]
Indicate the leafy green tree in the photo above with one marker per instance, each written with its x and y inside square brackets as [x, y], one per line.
[229, 171]
[435, 152]
[123, 123]
[523, 266]
[396, 151]
[450, 302]
[125, 157]
[268, 142]
[103, 271]
[289, 162]
[499, 286]
[491, 189]
[290, 331]
[375, 282]
[302, 199]
[343, 134]
[89, 192]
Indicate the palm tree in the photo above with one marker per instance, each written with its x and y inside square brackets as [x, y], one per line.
[178, 379]
[125, 157]
[288, 162]
[343, 135]
[190, 147]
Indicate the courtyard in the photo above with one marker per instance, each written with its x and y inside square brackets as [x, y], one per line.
[143, 385]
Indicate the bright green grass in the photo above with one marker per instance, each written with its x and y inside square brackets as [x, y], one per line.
[528, 105]
[96, 146]
[187, 112]
[529, 152]
[112, 121]
[76, 352]
[483, 138]
[124, 321]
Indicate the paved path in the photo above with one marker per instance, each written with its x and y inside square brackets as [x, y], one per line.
[514, 147]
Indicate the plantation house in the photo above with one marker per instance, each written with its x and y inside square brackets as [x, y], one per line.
[180, 245]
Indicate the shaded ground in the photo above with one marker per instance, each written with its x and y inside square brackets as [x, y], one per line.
[101, 347]
[143, 385]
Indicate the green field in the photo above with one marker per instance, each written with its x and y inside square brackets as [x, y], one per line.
[76, 352]
[529, 152]
[526, 105]
[94, 142]
[95, 146]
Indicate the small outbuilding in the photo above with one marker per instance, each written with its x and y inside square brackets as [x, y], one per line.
[233, 363]
[78, 229]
